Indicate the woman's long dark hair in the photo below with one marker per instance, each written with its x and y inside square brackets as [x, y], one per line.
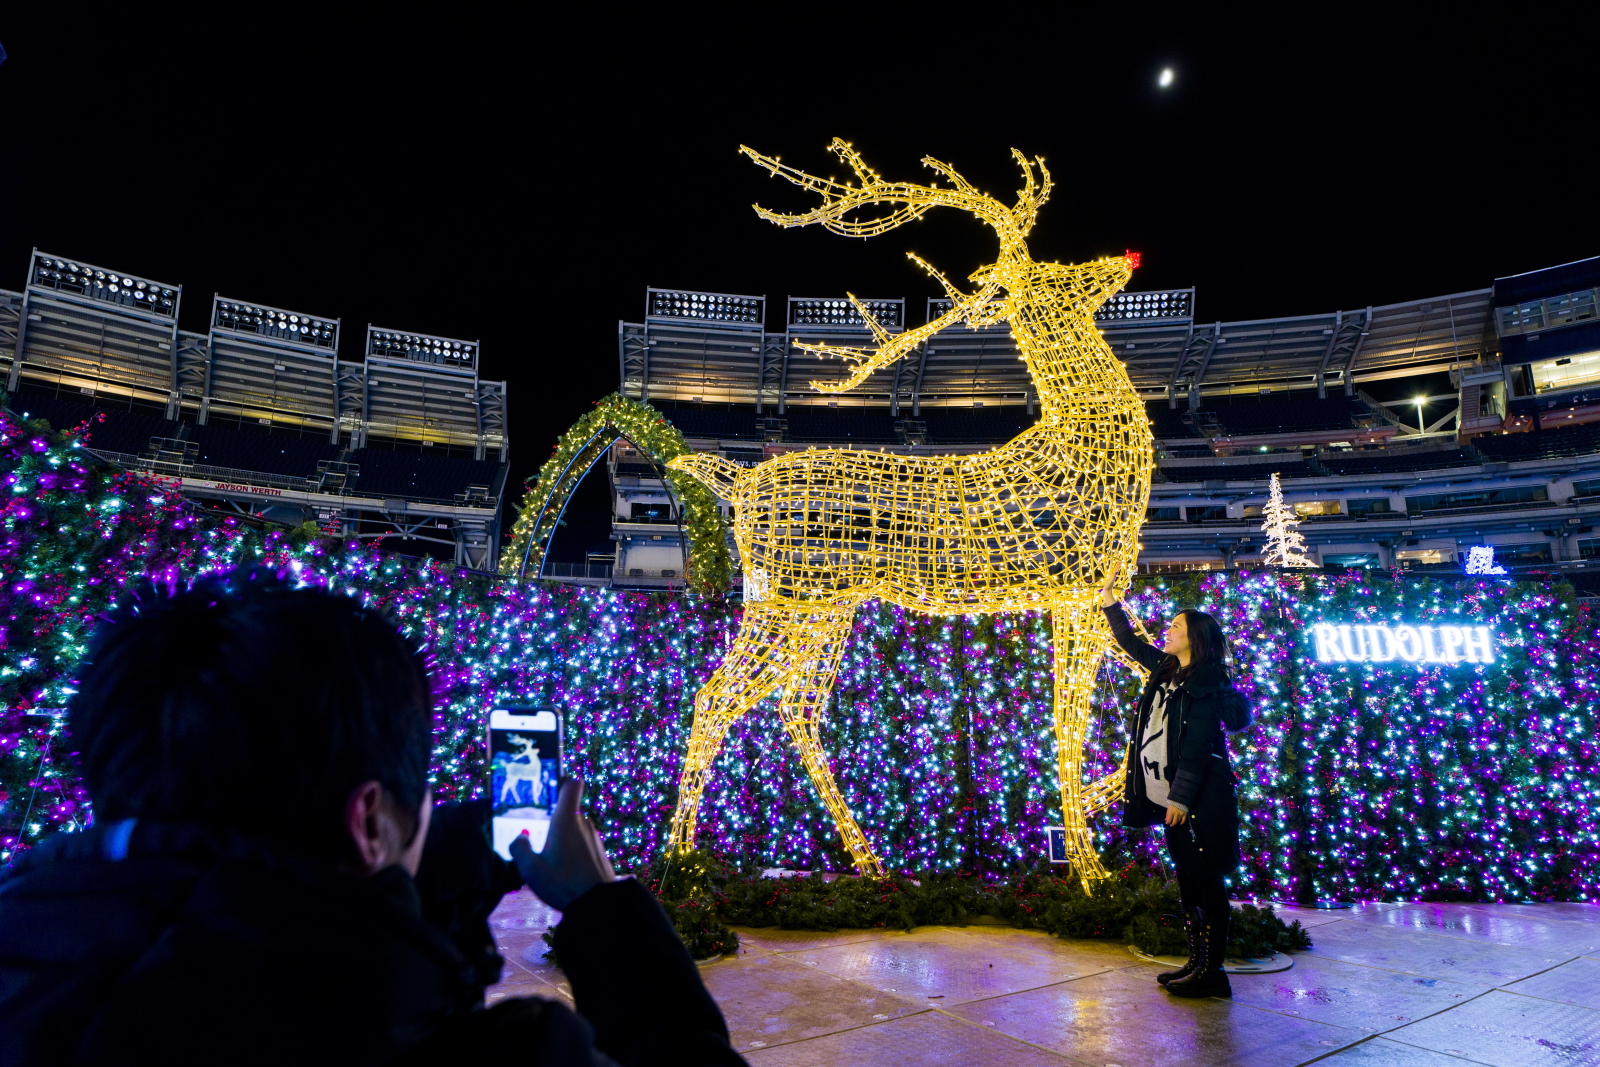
[1207, 644]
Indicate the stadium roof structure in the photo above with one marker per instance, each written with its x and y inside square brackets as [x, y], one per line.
[681, 352]
[259, 412]
[75, 326]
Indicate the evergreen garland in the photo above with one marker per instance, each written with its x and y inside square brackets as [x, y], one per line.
[709, 568]
[705, 896]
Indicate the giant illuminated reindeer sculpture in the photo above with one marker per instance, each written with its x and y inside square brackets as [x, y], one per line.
[1042, 522]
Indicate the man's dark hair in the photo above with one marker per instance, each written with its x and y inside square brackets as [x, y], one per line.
[247, 704]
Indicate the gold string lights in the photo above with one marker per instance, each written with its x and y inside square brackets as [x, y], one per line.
[1042, 522]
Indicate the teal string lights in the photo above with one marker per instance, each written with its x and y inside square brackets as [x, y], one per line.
[1372, 780]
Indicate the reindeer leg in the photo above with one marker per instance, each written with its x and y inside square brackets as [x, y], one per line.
[757, 663]
[1080, 640]
[805, 701]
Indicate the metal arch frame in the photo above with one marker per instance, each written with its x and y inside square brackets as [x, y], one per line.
[611, 434]
[571, 482]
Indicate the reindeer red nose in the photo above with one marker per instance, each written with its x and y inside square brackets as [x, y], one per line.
[1133, 259]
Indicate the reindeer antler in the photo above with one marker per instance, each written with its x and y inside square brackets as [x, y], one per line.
[841, 198]
[964, 308]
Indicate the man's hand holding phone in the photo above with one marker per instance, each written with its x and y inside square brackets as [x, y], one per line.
[573, 861]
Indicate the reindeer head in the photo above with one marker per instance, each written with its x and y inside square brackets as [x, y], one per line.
[910, 201]
[528, 745]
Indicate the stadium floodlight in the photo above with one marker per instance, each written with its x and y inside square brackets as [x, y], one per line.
[1168, 305]
[403, 347]
[1147, 307]
[813, 311]
[275, 324]
[103, 286]
[678, 304]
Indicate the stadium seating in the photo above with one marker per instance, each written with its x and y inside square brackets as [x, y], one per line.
[1541, 444]
[1188, 451]
[974, 426]
[1280, 413]
[831, 425]
[245, 450]
[1395, 462]
[1291, 467]
[717, 423]
[417, 476]
[123, 430]
[1168, 423]
[384, 473]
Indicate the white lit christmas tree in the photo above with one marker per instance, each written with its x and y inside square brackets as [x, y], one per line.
[1480, 560]
[1286, 546]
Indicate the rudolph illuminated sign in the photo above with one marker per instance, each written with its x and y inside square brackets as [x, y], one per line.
[1422, 645]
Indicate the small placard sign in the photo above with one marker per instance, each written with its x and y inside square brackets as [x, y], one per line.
[1056, 842]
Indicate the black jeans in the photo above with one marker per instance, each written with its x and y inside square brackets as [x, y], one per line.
[1199, 882]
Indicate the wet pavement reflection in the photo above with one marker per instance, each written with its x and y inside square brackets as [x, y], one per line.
[1384, 985]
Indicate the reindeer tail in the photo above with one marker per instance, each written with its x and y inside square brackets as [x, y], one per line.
[714, 472]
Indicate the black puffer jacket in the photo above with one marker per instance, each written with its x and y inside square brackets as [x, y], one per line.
[180, 944]
[1202, 708]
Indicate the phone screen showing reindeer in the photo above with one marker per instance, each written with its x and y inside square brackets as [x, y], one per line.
[524, 773]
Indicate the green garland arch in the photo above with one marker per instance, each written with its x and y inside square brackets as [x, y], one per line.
[708, 568]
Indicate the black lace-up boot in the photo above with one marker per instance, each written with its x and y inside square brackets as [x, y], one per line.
[1208, 978]
[1191, 927]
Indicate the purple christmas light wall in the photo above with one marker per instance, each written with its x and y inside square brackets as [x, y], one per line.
[1370, 780]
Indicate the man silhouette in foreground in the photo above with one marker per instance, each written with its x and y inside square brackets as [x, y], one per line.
[268, 881]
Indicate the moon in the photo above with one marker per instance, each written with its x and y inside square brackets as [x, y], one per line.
[1165, 80]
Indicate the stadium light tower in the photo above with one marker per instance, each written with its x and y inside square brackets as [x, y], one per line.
[446, 353]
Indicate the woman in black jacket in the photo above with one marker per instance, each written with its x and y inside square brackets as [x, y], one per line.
[1179, 775]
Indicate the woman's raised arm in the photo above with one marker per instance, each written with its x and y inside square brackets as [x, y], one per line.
[1147, 655]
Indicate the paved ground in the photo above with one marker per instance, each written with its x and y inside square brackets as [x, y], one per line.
[1408, 985]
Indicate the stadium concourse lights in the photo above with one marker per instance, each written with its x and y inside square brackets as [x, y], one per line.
[397, 346]
[104, 286]
[275, 324]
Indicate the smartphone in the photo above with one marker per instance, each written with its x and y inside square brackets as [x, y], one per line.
[524, 774]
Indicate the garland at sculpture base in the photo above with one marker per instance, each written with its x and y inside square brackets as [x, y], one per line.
[705, 896]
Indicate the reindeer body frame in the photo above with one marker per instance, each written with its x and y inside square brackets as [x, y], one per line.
[1040, 523]
[518, 771]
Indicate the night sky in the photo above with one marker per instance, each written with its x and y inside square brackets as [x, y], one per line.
[520, 179]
